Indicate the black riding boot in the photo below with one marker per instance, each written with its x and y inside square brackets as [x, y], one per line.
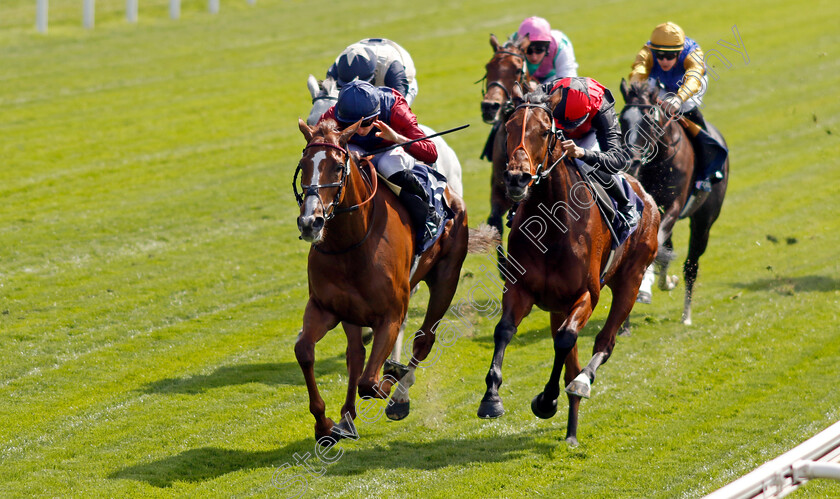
[416, 200]
[712, 154]
[612, 184]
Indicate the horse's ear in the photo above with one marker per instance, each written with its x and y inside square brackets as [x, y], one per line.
[554, 99]
[306, 130]
[312, 85]
[525, 42]
[329, 86]
[494, 42]
[348, 132]
[623, 89]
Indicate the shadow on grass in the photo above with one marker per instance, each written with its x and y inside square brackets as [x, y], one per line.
[279, 373]
[208, 463]
[534, 335]
[791, 285]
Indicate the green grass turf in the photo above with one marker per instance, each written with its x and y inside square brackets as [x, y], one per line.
[152, 283]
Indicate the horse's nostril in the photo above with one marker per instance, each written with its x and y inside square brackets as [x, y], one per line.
[490, 106]
[318, 224]
[506, 176]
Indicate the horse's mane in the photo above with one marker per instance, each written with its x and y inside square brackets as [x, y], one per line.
[538, 96]
[641, 89]
[326, 126]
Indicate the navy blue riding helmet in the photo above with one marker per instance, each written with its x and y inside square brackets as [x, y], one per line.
[357, 100]
[356, 62]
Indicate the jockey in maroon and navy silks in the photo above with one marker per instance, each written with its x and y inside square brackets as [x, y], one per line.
[586, 114]
[384, 109]
[394, 111]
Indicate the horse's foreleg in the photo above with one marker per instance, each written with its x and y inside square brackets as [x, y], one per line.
[565, 334]
[355, 362]
[516, 304]
[384, 337]
[316, 323]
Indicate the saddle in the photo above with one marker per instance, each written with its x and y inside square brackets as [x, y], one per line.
[609, 208]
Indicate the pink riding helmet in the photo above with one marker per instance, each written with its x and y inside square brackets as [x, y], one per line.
[537, 29]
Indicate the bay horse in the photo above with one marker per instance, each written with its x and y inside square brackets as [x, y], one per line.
[360, 270]
[663, 159]
[560, 245]
[506, 70]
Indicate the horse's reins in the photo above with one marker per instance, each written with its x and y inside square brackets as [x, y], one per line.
[537, 173]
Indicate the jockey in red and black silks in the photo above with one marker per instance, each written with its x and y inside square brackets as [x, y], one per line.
[385, 109]
[586, 114]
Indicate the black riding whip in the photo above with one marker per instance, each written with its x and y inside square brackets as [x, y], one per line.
[406, 144]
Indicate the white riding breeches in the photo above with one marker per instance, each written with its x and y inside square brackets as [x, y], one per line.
[389, 162]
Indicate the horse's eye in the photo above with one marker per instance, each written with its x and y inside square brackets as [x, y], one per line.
[338, 167]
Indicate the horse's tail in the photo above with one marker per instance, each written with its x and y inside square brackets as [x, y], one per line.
[483, 239]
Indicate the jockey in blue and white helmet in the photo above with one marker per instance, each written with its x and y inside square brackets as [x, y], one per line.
[378, 61]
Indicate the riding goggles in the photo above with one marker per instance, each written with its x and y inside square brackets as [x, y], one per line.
[666, 55]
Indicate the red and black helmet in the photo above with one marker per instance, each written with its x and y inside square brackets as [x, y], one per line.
[575, 103]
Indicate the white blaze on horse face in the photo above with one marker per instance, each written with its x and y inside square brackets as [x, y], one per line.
[310, 203]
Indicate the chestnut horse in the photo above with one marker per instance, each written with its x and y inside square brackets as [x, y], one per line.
[663, 160]
[360, 270]
[506, 70]
[561, 245]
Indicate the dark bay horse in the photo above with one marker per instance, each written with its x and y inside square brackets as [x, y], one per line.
[560, 244]
[360, 270]
[664, 161]
[506, 70]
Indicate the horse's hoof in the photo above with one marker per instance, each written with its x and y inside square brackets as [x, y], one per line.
[572, 441]
[580, 386]
[397, 410]
[539, 411]
[686, 321]
[669, 283]
[367, 336]
[394, 369]
[625, 332]
[338, 432]
[644, 297]
[490, 409]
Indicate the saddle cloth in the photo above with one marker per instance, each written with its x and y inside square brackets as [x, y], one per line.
[434, 183]
[609, 208]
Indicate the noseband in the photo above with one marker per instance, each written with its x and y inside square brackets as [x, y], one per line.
[537, 173]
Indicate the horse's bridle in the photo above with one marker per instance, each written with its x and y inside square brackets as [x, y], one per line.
[312, 189]
[659, 136]
[324, 97]
[522, 79]
[537, 173]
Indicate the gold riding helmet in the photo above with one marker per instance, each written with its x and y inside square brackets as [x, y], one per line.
[667, 37]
